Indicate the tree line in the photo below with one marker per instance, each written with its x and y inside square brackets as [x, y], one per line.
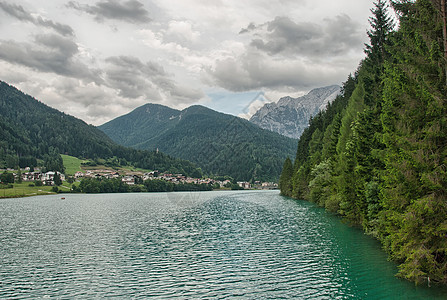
[116, 185]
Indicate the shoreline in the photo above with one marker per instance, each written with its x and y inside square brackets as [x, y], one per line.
[46, 193]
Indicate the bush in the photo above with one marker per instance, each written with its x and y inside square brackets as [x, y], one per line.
[31, 185]
[6, 186]
[137, 189]
[236, 187]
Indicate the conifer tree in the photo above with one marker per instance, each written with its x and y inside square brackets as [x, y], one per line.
[414, 117]
[381, 27]
[382, 162]
[57, 179]
[444, 33]
[285, 181]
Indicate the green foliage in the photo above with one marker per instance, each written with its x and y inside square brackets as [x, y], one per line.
[7, 177]
[115, 185]
[236, 187]
[192, 187]
[379, 159]
[285, 180]
[320, 185]
[53, 161]
[220, 144]
[381, 27]
[57, 179]
[158, 185]
[93, 185]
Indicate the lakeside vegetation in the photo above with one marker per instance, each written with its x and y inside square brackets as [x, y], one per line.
[377, 156]
[106, 185]
[106, 176]
[27, 189]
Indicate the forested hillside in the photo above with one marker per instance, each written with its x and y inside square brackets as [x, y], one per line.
[220, 144]
[30, 131]
[378, 155]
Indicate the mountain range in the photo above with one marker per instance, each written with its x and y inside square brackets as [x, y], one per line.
[290, 116]
[30, 131]
[220, 144]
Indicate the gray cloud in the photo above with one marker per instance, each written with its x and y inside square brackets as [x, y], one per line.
[257, 71]
[343, 34]
[49, 53]
[283, 36]
[131, 11]
[287, 55]
[134, 79]
[86, 95]
[249, 28]
[18, 12]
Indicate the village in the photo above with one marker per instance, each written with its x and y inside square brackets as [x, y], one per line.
[131, 178]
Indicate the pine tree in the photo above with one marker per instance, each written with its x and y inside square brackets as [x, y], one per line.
[285, 181]
[19, 175]
[444, 33]
[414, 121]
[382, 25]
[57, 179]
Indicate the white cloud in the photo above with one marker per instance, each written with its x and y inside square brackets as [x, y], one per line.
[97, 60]
[181, 32]
[257, 71]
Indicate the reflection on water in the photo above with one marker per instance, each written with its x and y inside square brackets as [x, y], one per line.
[189, 245]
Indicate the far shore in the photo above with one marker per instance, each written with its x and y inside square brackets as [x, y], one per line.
[23, 191]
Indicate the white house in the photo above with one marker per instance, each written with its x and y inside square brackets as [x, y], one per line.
[48, 178]
[130, 180]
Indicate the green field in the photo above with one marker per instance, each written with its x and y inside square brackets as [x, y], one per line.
[71, 164]
[24, 190]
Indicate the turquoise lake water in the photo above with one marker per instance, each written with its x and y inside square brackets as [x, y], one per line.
[207, 245]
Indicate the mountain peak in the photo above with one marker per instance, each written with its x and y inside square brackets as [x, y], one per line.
[290, 116]
[219, 143]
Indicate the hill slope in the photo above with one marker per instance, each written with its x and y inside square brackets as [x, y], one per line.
[219, 143]
[30, 130]
[290, 116]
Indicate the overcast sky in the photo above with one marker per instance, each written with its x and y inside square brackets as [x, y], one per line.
[97, 60]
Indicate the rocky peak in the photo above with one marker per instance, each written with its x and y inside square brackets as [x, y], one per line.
[290, 116]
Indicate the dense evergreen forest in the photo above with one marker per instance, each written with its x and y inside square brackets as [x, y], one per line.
[378, 155]
[31, 132]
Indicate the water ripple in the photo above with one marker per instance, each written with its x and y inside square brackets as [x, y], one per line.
[225, 245]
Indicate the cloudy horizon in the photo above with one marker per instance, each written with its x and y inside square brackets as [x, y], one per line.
[99, 60]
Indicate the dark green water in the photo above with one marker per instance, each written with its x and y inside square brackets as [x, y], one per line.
[247, 245]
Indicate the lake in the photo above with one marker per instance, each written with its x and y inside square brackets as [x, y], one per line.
[225, 244]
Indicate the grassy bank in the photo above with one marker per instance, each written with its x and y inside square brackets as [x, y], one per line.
[24, 190]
